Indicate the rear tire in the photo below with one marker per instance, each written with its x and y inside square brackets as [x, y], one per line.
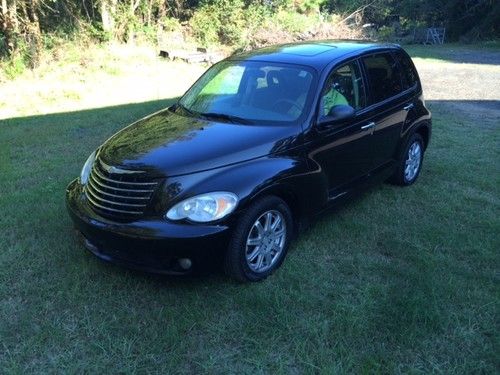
[260, 240]
[410, 165]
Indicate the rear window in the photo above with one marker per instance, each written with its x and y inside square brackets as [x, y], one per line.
[409, 74]
[384, 76]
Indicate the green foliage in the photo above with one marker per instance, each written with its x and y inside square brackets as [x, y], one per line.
[96, 32]
[309, 6]
[236, 23]
[14, 66]
[231, 23]
[18, 61]
[169, 24]
[385, 33]
[219, 21]
[204, 28]
[293, 22]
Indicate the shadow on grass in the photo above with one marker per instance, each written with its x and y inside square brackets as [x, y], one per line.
[466, 104]
[484, 114]
[91, 115]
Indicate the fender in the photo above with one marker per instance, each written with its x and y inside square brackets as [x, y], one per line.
[420, 121]
[416, 127]
[304, 190]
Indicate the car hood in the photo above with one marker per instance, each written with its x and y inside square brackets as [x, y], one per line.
[168, 144]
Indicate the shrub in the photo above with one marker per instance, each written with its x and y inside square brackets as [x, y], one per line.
[169, 24]
[385, 33]
[14, 66]
[220, 21]
[293, 22]
[205, 26]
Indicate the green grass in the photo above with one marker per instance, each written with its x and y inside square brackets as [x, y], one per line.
[402, 280]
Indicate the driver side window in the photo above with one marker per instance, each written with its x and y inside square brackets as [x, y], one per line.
[344, 86]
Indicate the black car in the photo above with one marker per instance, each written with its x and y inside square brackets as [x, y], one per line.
[262, 143]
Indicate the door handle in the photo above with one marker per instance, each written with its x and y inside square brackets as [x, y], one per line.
[368, 126]
[408, 107]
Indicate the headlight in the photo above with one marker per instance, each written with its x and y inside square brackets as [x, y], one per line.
[87, 167]
[204, 207]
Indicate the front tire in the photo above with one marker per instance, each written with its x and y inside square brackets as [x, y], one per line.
[410, 164]
[260, 240]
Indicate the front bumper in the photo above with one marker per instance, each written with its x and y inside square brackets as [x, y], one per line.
[152, 245]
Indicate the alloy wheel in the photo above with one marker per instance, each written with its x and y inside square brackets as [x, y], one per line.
[265, 241]
[413, 161]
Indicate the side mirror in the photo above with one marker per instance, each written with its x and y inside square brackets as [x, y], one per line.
[337, 113]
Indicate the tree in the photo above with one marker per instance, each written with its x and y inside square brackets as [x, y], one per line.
[108, 13]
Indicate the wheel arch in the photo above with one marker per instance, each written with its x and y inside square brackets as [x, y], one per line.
[425, 132]
[422, 128]
[287, 194]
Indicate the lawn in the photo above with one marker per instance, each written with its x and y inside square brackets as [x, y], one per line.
[400, 280]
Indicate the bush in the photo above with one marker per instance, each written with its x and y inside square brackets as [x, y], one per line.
[220, 21]
[14, 66]
[385, 33]
[169, 24]
[205, 26]
[293, 22]
[95, 32]
[229, 22]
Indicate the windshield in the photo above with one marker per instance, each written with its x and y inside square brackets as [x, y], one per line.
[251, 92]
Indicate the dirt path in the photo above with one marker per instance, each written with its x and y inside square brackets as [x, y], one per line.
[459, 81]
[471, 89]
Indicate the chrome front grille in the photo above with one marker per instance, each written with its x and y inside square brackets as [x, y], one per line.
[118, 193]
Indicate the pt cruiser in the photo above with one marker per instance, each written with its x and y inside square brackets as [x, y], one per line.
[262, 143]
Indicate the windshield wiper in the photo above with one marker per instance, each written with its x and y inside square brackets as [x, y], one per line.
[224, 116]
[185, 109]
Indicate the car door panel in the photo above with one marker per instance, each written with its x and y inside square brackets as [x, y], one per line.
[386, 134]
[342, 152]
[388, 102]
[342, 149]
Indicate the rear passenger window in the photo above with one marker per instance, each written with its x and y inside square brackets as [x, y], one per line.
[410, 77]
[384, 76]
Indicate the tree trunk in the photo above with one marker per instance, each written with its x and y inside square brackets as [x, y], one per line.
[108, 11]
[149, 13]
[33, 34]
[5, 14]
[8, 28]
[131, 33]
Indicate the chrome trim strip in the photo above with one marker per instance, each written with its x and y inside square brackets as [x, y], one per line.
[92, 182]
[92, 176]
[114, 203]
[368, 126]
[111, 209]
[96, 170]
[337, 196]
[111, 169]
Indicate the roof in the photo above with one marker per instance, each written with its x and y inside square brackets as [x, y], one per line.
[315, 53]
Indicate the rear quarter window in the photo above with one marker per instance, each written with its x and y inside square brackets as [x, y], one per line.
[409, 73]
[384, 76]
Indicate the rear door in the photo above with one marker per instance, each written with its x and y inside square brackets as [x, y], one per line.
[388, 106]
[411, 87]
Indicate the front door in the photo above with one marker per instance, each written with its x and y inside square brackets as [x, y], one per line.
[342, 149]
